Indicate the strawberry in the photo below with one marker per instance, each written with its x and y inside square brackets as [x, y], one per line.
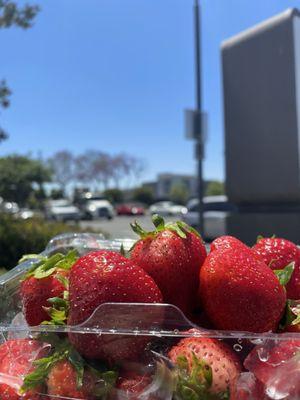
[277, 254]
[66, 373]
[62, 381]
[206, 367]
[35, 294]
[132, 386]
[264, 359]
[138, 384]
[47, 280]
[240, 292]
[248, 388]
[226, 242]
[16, 360]
[276, 365]
[101, 277]
[172, 254]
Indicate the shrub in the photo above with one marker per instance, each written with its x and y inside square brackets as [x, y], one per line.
[19, 237]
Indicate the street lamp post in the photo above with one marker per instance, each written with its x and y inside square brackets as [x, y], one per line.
[199, 137]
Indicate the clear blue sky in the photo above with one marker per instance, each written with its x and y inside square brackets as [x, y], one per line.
[116, 75]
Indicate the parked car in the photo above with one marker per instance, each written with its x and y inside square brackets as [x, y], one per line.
[9, 207]
[97, 207]
[130, 209]
[26, 213]
[62, 210]
[167, 208]
[216, 209]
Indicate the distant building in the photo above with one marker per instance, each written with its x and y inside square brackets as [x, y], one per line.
[165, 182]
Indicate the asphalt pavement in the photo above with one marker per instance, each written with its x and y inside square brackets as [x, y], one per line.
[119, 227]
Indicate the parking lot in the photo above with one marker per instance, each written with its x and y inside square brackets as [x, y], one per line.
[119, 227]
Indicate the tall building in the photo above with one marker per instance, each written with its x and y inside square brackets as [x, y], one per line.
[261, 82]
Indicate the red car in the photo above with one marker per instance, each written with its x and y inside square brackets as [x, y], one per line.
[130, 209]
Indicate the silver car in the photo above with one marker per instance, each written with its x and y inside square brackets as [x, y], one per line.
[216, 209]
[62, 210]
[167, 208]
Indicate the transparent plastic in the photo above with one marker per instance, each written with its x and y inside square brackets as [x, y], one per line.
[269, 364]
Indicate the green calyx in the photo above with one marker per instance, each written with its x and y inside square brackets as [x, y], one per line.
[63, 350]
[47, 265]
[195, 383]
[260, 237]
[106, 381]
[179, 227]
[59, 310]
[291, 316]
[284, 275]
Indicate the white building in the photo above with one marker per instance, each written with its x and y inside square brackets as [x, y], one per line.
[167, 181]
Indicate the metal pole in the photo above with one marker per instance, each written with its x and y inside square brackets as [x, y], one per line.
[199, 142]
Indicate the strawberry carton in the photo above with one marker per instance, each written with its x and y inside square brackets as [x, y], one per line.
[159, 318]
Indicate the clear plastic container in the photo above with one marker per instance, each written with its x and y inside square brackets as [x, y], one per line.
[268, 365]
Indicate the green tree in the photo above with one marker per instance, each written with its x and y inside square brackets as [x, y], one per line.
[20, 176]
[13, 15]
[215, 188]
[179, 193]
[144, 195]
[114, 195]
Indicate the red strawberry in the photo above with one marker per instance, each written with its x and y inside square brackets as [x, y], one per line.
[226, 242]
[105, 276]
[277, 254]
[293, 328]
[172, 255]
[35, 294]
[248, 388]
[47, 280]
[132, 386]
[205, 366]
[62, 381]
[16, 361]
[277, 366]
[240, 292]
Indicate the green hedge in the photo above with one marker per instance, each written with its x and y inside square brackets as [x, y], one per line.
[18, 237]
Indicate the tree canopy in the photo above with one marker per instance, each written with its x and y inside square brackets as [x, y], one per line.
[215, 188]
[18, 175]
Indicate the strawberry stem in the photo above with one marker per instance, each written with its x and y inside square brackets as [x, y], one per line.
[179, 227]
[158, 222]
[136, 227]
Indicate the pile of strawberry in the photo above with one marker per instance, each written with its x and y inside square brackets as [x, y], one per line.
[233, 288]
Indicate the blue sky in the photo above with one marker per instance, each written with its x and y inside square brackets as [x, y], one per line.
[115, 75]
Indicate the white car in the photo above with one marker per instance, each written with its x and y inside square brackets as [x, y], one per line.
[26, 213]
[98, 207]
[62, 210]
[216, 209]
[167, 208]
[9, 207]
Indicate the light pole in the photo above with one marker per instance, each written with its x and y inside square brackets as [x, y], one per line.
[199, 137]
